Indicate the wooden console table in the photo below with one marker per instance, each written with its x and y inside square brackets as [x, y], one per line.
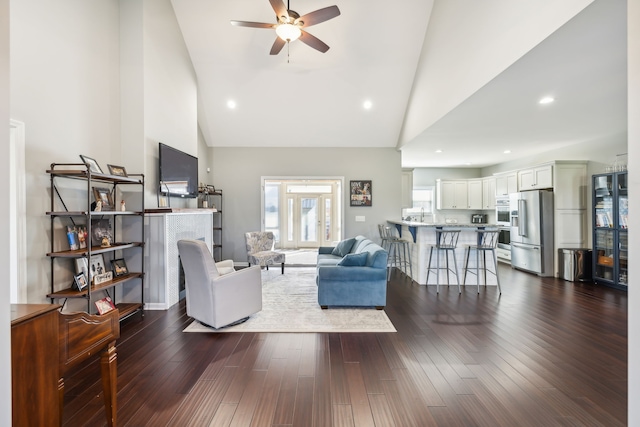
[37, 369]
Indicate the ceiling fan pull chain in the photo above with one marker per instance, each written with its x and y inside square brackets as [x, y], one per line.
[288, 52]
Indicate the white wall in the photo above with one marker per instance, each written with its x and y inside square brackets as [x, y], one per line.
[170, 93]
[238, 172]
[65, 88]
[468, 43]
[633, 40]
[5, 308]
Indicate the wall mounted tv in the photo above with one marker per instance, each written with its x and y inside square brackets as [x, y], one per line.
[178, 173]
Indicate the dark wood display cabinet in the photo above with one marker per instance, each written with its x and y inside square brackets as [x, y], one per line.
[111, 265]
[610, 229]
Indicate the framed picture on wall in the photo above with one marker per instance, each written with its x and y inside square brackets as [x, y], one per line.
[360, 193]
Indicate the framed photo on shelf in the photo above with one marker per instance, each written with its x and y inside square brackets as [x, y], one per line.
[101, 231]
[119, 267]
[101, 278]
[360, 193]
[105, 305]
[117, 170]
[92, 163]
[104, 196]
[97, 265]
[79, 282]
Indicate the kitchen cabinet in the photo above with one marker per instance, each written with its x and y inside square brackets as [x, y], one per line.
[474, 194]
[506, 184]
[536, 178]
[488, 193]
[452, 194]
[610, 232]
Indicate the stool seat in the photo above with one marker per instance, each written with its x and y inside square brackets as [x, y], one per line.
[446, 243]
[487, 241]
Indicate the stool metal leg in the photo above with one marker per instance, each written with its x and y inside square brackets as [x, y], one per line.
[495, 265]
[455, 265]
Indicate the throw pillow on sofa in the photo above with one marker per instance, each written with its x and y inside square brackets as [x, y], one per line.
[354, 260]
[344, 247]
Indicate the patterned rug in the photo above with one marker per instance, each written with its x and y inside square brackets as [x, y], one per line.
[290, 304]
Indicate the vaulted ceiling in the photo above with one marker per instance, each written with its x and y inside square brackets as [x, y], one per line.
[459, 76]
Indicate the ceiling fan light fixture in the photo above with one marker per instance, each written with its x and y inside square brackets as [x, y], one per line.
[288, 32]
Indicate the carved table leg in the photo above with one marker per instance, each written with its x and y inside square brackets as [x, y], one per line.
[108, 367]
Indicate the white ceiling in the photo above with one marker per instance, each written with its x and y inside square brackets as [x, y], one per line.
[316, 100]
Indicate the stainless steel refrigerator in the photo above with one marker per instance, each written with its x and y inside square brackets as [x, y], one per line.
[531, 223]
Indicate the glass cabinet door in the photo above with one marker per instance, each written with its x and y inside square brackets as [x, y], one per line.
[622, 258]
[623, 201]
[603, 201]
[604, 250]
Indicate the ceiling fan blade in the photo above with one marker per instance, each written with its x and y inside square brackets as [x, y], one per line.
[318, 16]
[279, 7]
[277, 46]
[314, 42]
[252, 24]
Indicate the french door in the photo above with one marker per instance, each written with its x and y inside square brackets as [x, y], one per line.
[303, 213]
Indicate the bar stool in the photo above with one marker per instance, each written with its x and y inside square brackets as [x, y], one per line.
[399, 251]
[446, 243]
[486, 242]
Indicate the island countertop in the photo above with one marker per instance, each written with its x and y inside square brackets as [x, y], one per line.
[421, 237]
[438, 224]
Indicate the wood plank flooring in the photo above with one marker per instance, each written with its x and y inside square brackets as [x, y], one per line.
[544, 353]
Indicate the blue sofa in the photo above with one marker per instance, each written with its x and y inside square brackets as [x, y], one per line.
[352, 275]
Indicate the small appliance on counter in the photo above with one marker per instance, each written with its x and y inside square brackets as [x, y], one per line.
[478, 219]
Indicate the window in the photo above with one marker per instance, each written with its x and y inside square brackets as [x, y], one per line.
[423, 203]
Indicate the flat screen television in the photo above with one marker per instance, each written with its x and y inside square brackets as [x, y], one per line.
[178, 173]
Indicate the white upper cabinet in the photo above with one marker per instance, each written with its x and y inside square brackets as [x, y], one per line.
[488, 193]
[536, 178]
[474, 195]
[506, 184]
[452, 194]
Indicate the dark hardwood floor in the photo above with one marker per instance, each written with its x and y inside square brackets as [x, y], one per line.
[544, 353]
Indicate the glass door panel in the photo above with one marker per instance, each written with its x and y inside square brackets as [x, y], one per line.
[622, 260]
[623, 201]
[603, 201]
[309, 222]
[604, 246]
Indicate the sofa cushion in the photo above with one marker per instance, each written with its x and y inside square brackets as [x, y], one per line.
[344, 247]
[354, 260]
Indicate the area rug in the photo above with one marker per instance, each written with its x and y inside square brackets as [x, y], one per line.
[290, 304]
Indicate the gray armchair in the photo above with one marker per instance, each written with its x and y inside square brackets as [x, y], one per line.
[214, 298]
[260, 251]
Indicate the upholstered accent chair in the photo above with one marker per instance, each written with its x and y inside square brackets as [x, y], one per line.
[260, 245]
[218, 295]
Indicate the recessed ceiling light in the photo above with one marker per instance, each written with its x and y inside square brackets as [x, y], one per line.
[231, 104]
[438, 151]
[367, 105]
[507, 151]
[546, 100]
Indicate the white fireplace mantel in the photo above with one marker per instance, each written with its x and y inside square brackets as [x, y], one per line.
[162, 267]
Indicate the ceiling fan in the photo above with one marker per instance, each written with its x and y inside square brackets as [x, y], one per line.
[290, 25]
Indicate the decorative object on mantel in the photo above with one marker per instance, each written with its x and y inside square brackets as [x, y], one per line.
[204, 195]
[123, 207]
[360, 192]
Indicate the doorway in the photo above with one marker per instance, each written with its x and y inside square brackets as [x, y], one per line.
[303, 213]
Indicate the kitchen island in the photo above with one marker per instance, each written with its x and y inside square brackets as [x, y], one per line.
[421, 236]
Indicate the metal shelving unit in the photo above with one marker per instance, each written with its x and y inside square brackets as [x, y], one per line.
[81, 214]
[213, 199]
